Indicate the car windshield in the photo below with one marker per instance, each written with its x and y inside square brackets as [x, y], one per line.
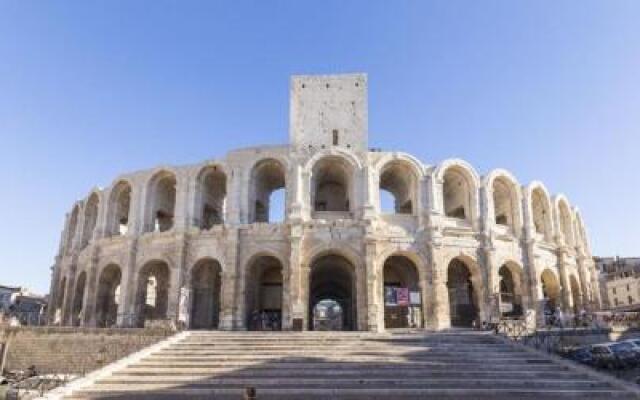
[636, 342]
[622, 347]
[600, 350]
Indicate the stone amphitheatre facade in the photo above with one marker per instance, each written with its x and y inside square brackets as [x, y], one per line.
[194, 244]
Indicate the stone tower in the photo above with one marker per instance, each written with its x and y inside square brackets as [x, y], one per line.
[329, 110]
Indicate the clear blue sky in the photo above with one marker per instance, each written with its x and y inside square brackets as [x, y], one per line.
[89, 89]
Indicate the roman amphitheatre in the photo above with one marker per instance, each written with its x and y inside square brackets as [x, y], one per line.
[196, 246]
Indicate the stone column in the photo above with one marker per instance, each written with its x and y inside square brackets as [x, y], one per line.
[440, 317]
[176, 278]
[90, 290]
[536, 298]
[492, 294]
[565, 288]
[297, 293]
[127, 312]
[231, 285]
[69, 294]
[374, 285]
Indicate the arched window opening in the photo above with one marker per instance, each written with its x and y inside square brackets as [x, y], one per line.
[264, 294]
[267, 178]
[331, 185]
[163, 200]
[399, 181]
[565, 223]
[540, 210]
[213, 194]
[510, 292]
[153, 293]
[463, 301]
[120, 206]
[503, 203]
[90, 219]
[277, 206]
[402, 296]
[77, 314]
[332, 281]
[456, 195]
[206, 283]
[72, 228]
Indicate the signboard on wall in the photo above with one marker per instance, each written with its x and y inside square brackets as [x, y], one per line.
[415, 299]
[390, 296]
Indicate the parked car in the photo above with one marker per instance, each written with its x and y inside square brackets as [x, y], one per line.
[614, 355]
[583, 355]
[634, 342]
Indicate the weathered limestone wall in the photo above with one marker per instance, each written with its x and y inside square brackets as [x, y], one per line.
[72, 350]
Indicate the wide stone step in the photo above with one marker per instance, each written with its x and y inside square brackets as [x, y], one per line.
[354, 371]
[360, 394]
[345, 381]
[341, 365]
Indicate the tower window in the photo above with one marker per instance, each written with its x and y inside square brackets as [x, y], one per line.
[335, 137]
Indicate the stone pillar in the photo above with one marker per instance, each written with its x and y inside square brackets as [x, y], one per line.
[375, 282]
[297, 294]
[69, 293]
[439, 316]
[231, 316]
[127, 312]
[536, 298]
[177, 274]
[565, 288]
[91, 290]
[492, 293]
[582, 275]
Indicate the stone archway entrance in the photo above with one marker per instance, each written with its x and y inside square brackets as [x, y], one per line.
[402, 297]
[264, 294]
[463, 306]
[205, 284]
[332, 294]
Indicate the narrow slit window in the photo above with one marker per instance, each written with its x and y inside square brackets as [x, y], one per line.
[335, 137]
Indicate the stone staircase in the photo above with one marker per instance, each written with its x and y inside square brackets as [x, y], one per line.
[332, 365]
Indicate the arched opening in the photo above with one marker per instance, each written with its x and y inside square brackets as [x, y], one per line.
[108, 296]
[510, 291]
[402, 296]
[550, 292]
[398, 181]
[60, 301]
[541, 215]
[153, 292]
[463, 301]
[120, 207]
[72, 228]
[456, 194]
[576, 294]
[78, 300]
[212, 194]
[565, 223]
[162, 190]
[205, 285]
[504, 203]
[332, 281]
[90, 219]
[264, 294]
[331, 181]
[267, 179]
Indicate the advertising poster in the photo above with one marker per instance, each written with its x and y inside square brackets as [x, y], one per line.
[402, 296]
[389, 296]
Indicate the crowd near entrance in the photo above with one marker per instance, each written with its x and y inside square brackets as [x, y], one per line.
[332, 294]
